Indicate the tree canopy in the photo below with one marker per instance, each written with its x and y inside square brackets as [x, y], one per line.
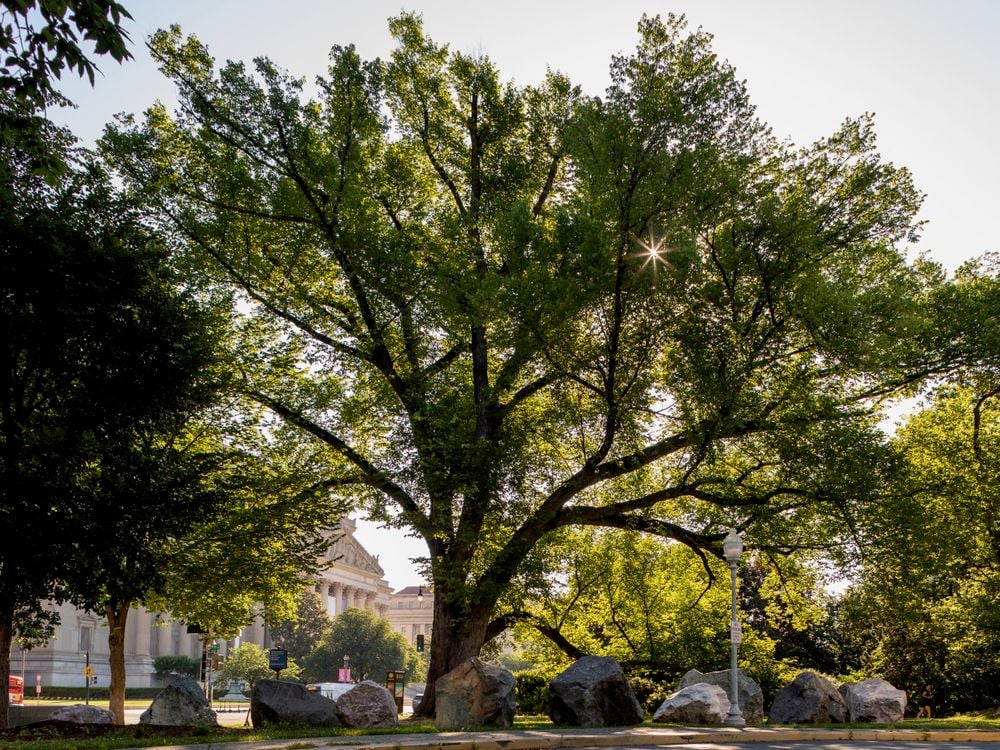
[370, 643]
[98, 345]
[509, 310]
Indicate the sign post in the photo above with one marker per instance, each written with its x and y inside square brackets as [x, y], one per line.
[277, 659]
[396, 683]
[88, 672]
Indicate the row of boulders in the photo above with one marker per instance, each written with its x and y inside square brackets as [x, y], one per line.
[592, 692]
[809, 699]
[366, 705]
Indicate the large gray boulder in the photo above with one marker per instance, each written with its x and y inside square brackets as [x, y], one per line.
[277, 702]
[474, 694]
[182, 704]
[700, 703]
[808, 699]
[367, 705]
[875, 701]
[81, 714]
[593, 692]
[750, 695]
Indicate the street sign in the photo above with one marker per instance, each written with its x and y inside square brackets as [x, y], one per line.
[88, 671]
[736, 632]
[277, 659]
[215, 649]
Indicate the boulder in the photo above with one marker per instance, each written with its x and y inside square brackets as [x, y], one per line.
[475, 694]
[875, 701]
[367, 705]
[749, 692]
[593, 692]
[700, 703]
[81, 714]
[808, 699]
[278, 702]
[182, 704]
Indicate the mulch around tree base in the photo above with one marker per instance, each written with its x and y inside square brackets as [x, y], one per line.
[57, 730]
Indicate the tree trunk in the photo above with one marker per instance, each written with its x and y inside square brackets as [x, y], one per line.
[454, 639]
[6, 636]
[117, 617]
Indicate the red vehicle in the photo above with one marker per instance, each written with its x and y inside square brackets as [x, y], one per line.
[15, 690]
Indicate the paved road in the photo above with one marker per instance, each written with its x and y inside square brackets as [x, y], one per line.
[841, 745]
[225, 717]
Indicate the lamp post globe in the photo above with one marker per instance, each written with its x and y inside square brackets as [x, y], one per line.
[732, 548]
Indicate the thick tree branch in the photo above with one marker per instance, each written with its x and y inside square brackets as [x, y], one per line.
[500, 624]
[373, 476]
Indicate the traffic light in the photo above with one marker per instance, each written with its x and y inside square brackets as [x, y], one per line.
[420, 641]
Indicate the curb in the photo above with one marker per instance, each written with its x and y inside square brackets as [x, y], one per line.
[645, 736]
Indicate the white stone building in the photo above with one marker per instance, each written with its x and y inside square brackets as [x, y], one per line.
[411, 612]
[355, 579]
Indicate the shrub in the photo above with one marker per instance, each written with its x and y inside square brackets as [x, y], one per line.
[532, 689]
[176, 664]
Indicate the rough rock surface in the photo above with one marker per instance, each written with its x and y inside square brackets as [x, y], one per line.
[277, 702]
[475, 694]
[700, 703]
[367, 705]
[875, 701]
[81, 714]
[593, 692]
[182, 704]
[808, 699]
[750, 695]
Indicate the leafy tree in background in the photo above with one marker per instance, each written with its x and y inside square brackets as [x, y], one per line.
[509, 311]
[301, 635]
[925, 606]
[373, 646]
[652, 606]
[97, 344]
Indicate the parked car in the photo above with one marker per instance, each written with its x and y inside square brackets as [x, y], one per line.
[331, 690]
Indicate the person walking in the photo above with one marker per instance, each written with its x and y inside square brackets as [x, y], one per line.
[926, 702]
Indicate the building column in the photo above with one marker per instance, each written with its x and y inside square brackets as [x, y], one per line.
[338, 599]
[370, 601]
[359, 596]
[143, 621]
[330, 591]
[257, 631]
[164, 636]
[382, 610]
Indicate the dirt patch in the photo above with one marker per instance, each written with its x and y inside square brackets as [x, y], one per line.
[70, 730]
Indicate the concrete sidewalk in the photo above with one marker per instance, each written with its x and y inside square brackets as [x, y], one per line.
[570, 738]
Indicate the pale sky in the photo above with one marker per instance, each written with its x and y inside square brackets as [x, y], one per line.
[929, 70]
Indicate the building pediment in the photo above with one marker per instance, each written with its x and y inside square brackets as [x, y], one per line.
[347, 550]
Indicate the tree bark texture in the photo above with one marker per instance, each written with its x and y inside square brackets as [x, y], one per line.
[117, 619]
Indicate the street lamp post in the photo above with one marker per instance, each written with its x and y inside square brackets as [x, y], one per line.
[732, 548]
